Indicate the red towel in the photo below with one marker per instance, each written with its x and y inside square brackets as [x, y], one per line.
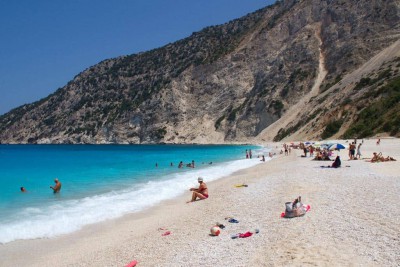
[247, 234]
[166, 233]
[131, 264]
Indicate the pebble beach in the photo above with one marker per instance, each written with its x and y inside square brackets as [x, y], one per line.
[354, 220]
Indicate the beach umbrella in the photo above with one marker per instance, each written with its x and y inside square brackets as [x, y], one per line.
[337, 146]
[325, 146]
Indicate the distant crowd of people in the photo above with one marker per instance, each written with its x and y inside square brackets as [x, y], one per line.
[354, 152]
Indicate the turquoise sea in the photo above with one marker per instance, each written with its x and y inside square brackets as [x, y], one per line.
[100, 182]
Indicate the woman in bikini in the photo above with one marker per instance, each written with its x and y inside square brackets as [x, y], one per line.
[201, 192]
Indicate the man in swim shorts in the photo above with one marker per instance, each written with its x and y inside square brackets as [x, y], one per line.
[201, 192]
[57, 186]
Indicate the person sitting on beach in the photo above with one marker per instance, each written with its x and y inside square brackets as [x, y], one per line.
[318, 156]
[57, 186]
[201, 192]
[326, 155]
[322, 156]
[337, 163]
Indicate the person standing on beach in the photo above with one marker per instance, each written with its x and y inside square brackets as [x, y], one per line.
[57, 187]
[359, 151]
[201, 192]
[352, 150]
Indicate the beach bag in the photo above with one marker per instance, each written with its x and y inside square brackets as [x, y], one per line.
[289, 206]
[295, 209]
[295, 212]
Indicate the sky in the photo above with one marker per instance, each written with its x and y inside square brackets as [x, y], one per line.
[45, 43]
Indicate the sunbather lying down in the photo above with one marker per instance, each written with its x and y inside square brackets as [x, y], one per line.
[379, 158]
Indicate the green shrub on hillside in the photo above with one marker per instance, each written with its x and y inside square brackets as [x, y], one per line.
[331, 128]
[383, 115]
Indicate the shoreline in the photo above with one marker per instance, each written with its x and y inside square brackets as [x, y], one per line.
[351, 222]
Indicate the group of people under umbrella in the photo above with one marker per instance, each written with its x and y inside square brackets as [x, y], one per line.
[322, 151]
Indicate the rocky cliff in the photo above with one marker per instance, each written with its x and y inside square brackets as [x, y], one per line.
[296, 69]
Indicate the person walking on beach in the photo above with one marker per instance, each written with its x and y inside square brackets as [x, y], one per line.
[201, 192]
[57, 187]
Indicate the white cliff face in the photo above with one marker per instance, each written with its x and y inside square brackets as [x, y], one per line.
[264, 76]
